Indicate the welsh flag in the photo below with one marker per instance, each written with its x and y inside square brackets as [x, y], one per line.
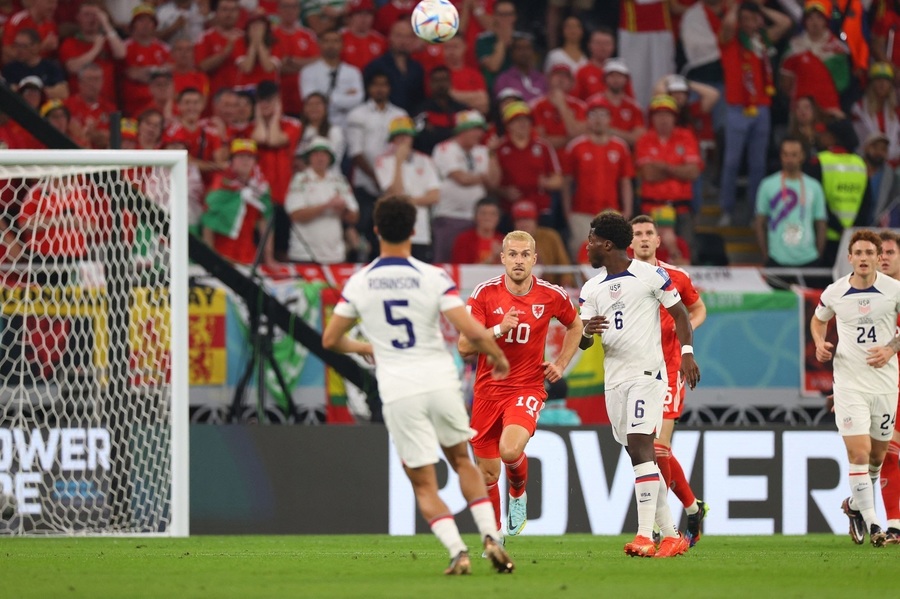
[229, 198]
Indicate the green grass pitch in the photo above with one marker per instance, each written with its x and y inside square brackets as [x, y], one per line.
[381, 566]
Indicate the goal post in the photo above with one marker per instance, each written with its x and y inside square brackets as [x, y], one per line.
[94, 357]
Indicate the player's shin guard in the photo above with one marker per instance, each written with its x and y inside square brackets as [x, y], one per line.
[483, 515]
[444, 528]
[680, 485]
[861, 493]
[646, 492]
[890, 483]
[663, 455]
[664, 520]
[494, 495]
[517, 475]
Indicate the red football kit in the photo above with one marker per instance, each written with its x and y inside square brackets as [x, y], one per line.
[674, 402]
[519, 397]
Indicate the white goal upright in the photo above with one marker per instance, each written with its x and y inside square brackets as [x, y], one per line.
[93, 342]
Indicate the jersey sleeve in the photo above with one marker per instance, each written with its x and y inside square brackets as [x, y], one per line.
[565, 312]
[824, 310]
[475, 306]
[346, 306]
[689, 295]
[587, 306]
[663, 287]
[449, 292]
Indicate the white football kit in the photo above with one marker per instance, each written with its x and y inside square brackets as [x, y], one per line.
[635, 370]
[399, 302]
[865, 398]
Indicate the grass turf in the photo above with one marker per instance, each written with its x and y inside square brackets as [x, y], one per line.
[380, 566]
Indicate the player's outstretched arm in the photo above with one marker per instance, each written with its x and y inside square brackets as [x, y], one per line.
[553, 371]
[478, 339]
[818, 329]
[335, 338]
[689, 369]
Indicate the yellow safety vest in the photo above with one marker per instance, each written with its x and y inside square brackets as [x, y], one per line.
[844, 179]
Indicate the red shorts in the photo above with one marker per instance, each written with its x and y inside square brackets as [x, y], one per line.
[674, 402]
[491, 416]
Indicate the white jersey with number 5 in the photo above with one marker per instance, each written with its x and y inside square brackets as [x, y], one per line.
[632, 346]
[399, 301]
[866, 318]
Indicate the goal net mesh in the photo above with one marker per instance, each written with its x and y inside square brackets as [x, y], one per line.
[85, 431]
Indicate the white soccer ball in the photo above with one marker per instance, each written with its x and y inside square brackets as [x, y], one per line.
[435, 21]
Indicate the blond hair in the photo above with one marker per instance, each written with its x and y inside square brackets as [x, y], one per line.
[518, 236]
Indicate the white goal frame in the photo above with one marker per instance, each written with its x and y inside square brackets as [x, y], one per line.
[177, 162]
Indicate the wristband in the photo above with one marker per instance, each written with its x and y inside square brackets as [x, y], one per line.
[497, 332]
[687, 349]
[585, 334]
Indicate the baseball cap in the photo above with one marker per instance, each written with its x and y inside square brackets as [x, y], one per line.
[663, 102]
[599, 102]
[876, 136]
[524, 210]
[31, 80]
[664, 216]
[561, 68]
[469, 119]
[318, 144]
[243, 146]
[616, 65]
[143, 10]
[51, 105]
[355, 6]
[515, 110]
[881, 70]
[509, 92]
[817, 6]
[401, 125]
[677, 83]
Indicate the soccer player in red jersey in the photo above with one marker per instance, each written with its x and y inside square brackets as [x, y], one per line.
[517, 307]
[645, 242]
[890, 469]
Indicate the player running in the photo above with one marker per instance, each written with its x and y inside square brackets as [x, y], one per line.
[865, 304]
[516, 308]
[644, 244]
[399, 301]
[622, 302]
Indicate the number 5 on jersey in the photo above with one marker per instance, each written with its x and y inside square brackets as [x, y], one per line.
[399, 321]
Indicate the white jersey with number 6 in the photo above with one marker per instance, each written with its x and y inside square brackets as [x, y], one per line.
[866, 318]
[632, 346]
[399, 301]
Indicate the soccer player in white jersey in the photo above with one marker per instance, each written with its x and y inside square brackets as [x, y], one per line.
[865, 305]
[399, 301]
[622, 304]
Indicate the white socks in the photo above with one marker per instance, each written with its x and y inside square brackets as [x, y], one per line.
[647, 484]
[861, 493]
[444, 528]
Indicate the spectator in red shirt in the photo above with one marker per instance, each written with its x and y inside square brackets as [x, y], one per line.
[56, 113]
[672, 248]
[436, 116]
[215, 53]
[162, 94]
[877, 111]
[258, 58]
[298, 48]
[817, 62]
[392, 11]
[96, 41]
[40, 17]
[150, 124]
[627, 115]
[529, 164]
[206, 148]
[362, 44]
[591, 78]
[600, 168]
[89, 108]
[558, 116]
[184, 73]
[482, 243]
[276, 137]
[475, 17]
[668, 161]
[466, 83]
[144, 53]
[885, 28]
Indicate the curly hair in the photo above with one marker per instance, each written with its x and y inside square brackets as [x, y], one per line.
[611, 225]
[865, 235]
[395, 217]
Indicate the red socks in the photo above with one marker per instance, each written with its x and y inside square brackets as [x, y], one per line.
[890, 482]
[517, 475]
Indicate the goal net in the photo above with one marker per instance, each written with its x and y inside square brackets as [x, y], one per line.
[93, 342]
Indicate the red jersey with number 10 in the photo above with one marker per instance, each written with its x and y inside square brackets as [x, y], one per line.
[689, 296]
[523, 345]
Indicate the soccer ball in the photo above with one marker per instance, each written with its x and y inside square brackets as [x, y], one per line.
[435, 21]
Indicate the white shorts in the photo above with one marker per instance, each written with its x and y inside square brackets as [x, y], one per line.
[419, 424]
[856, 413]
[636, 406]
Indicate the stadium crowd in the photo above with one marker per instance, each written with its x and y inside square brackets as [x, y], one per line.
[535, 115]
